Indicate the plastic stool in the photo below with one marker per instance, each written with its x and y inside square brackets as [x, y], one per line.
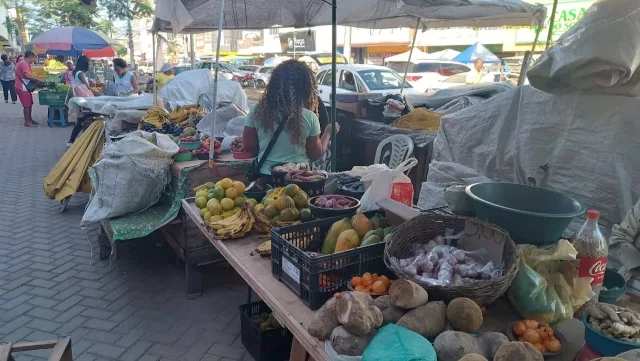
[60, 118]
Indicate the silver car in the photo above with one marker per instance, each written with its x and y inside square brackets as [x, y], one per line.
[261, 76]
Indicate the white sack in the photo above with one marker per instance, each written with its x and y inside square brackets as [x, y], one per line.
[585, 146]
[599, 54]
[130, 177]
[196, 87]
[440, 176]
[224, 115]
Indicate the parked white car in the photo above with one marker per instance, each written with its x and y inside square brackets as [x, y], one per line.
[144, 68]
[262, 75]
[461, 79]
[360, 78]
[423, 74]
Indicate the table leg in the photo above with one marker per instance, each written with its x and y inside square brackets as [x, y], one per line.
[298, 353]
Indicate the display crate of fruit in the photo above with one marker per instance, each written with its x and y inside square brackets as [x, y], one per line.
[52, 98]
[262, 335]
[302, 256]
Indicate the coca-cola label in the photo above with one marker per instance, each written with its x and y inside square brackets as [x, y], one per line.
[592, 267]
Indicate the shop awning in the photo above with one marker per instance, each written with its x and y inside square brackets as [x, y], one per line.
[202, 15]
[404, 57]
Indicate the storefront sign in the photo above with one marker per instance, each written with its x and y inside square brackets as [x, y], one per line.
[460, 36]
[302, 41]
[567, 15]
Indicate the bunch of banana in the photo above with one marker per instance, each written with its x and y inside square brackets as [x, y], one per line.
[155, 116]
[179, 116]
[235, 226]
[277, 192]
[262, 223]
[263, 249]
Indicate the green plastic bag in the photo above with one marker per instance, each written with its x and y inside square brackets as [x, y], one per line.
[395, 343]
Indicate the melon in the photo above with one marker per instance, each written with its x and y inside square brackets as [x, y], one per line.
[291, 190]
[271, 211]
[300, 199]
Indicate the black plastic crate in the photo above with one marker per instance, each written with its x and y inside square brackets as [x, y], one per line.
[316, 277]
[263, 345]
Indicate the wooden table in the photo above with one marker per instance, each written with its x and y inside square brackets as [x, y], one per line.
[256, 271]
[295, 316]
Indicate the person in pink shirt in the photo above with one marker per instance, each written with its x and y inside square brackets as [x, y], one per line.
[67, 74]
[23, 79]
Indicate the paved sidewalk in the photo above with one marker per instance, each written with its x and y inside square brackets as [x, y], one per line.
[49, 285]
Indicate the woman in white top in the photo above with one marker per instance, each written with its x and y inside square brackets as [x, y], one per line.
[125, 81]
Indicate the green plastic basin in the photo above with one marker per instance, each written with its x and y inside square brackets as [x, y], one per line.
[531, 215]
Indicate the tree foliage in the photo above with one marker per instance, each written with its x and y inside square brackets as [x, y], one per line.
[123, 9]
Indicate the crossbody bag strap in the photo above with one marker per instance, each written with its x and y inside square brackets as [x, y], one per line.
[272, 142]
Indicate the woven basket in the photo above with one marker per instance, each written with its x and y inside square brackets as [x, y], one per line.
[425, 227]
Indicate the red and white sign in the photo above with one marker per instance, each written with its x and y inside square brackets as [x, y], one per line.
[592, 267]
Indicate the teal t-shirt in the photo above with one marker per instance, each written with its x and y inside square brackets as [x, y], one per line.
[283, 151]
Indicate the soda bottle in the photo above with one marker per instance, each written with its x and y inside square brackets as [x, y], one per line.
[593, 253]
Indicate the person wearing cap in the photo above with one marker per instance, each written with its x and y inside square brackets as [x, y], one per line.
[67, 74]
[165, 75]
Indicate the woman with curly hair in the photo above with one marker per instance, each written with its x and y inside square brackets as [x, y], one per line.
[290, 97]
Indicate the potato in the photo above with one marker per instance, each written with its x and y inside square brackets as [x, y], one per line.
[453, 345]
[491, 342]
[428, 320]
[324, 321]
[346, 343]
[357, 314]
[464, 315]
[473, 357]
[518, 351]
[390, 313]
[407, 294]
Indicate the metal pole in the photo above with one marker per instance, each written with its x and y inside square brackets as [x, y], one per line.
[413, 43]
[334, 113]
[215, 81]
[192, 51]
[527, 60]
[551, 23]
[155, 88]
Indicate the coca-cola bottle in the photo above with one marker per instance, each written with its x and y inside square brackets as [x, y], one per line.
[593, 253]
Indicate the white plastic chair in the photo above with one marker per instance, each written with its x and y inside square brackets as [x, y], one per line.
[401, 150]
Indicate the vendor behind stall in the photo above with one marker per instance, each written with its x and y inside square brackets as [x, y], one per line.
[291, 96]
[165, 75]
[125, 81]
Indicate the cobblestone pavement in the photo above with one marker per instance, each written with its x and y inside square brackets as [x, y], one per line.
[50, 286]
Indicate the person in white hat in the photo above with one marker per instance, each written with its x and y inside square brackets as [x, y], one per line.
[165, 75]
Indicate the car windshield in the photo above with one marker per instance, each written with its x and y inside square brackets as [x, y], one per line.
[400, 66]
[382, 79]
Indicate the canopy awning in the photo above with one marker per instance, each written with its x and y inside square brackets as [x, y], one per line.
[202, 15]
[404, 57]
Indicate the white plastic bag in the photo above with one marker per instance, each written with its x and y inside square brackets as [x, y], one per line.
[383, 186]
[367, 173]
[334, 356]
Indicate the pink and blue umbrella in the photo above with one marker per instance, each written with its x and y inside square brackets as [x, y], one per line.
[73, 41]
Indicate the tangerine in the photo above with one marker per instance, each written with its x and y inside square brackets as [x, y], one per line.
[367, 279]
[361, 288]
[379, 287]
[355, 281]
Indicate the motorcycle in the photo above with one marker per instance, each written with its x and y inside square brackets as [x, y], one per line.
[247, 81]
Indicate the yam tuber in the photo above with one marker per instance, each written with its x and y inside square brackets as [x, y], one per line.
[390, 313]
[473, 357]
[518, 351]
[615, 321]
[453, 345]
[491, 343]
[407, 294]
[356, 312]
[428, 320]
[464, 315]
[324, 321]
[346, 343]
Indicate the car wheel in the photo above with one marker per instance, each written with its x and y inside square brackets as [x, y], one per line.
[260, 84]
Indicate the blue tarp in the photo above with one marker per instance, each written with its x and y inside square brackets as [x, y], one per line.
[475, 51]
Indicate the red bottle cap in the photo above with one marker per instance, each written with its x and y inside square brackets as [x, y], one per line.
[593, 214]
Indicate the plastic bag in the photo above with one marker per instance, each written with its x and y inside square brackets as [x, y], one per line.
[367, 173]
[393, 109]
[547, 287]
[388, 183]
[395, 343]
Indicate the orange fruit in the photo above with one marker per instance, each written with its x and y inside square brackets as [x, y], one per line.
[386, 280]
[355, 281]
[375, 277]
[379, 287]
[367, 279]
[361, 288]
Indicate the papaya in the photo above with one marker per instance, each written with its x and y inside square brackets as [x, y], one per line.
[374, 232]
[347, 240]
[386, 238]
[329, 244]
[388, 230]
[361, 224]
[379, 221]
[373, 239]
